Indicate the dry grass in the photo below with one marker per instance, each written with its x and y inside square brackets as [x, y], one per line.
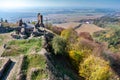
[9, 24]
[90, 28]
[17, 47]
[68, 25]
[1, 62]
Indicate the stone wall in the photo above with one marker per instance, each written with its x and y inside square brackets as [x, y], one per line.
[4, 66]
[19, 73]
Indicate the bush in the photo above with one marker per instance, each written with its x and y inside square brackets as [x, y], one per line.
[55, 29]
[112, 37]
[82, 44]
[59, 45]
[76, 57]
[86, 35]
[94, 68]
[69, 34]
[78, 53]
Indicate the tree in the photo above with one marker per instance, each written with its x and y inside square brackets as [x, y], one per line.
[70, 35]
[94, 68]
[59, 45]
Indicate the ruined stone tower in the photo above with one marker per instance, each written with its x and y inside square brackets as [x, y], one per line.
[40, 18]
[20, 22]
[40, 21]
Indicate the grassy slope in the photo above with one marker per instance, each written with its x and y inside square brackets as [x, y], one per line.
[17, 47]
[34, 61]
[90, 28]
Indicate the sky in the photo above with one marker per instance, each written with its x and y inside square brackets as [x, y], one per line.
[16, 4]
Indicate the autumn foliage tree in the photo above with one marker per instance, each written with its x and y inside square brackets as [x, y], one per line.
[70, 35]
[94, 68]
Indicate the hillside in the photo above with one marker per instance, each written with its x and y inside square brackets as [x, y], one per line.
[65, 52]
[90, 28]
[67, 25]
[45, 58]
[27, 59]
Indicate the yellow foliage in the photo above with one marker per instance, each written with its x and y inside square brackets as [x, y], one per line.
[94, 68]
[77, 57]
[82, 46]
[9, 24]
[107, 35]
[101, 73]
[69, 35]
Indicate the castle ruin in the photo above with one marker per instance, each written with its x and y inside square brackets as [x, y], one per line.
[26, 30]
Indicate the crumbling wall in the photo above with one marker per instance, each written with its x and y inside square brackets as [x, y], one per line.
[19, 73]
[4, 66]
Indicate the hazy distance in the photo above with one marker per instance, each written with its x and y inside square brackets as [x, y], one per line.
[6, 5]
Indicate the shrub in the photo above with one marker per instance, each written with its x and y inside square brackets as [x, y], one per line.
[55, 29]
[76, 57]
[49, 26]
[59, 45]
[69, 34]
[86, 35]
[94, 68]
[84, 45]
[112, 37]
[33, 22]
